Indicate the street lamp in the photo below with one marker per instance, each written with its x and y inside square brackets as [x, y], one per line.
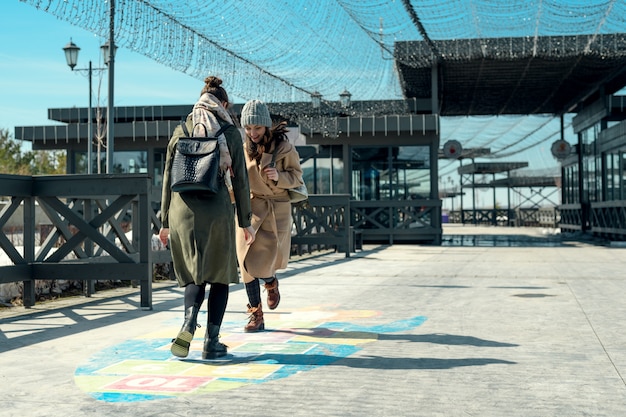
[71, 56]
[105, 51]
[316, 99]
[344, 98]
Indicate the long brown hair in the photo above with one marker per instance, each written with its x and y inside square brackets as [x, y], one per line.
[276, 134]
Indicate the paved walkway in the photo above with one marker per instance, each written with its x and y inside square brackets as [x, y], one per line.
[495, 322]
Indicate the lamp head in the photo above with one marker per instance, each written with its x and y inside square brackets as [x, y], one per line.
[105, 51]
[71, 54]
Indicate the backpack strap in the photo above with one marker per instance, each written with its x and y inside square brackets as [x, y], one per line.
[273, 162]
[183, 124]
[223, 129]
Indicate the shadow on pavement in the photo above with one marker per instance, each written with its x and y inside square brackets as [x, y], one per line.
[371, 362]
[44, 323]
[445, 339]
[40, 325]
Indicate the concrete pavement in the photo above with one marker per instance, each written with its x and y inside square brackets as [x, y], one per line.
[495, 322]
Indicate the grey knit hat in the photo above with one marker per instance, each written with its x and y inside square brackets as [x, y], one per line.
[255, 112]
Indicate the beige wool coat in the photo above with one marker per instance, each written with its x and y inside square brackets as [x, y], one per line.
[202, 227]
[271, 214]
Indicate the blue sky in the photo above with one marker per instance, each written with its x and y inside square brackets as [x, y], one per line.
[34, 75]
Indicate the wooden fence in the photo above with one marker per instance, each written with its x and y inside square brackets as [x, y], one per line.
[90, 217]
[87, 220]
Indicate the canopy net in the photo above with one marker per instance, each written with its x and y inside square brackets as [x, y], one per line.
[285, 50]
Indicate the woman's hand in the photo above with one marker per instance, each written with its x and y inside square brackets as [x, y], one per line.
[271, 172]
[164, 234]
[249, 235]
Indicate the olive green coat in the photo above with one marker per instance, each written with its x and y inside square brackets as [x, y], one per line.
[202, 227]
[271, 214]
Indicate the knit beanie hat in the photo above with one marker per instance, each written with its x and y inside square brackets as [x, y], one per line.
[255, 112]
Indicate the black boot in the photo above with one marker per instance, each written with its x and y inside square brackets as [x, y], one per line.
[212, 347]
[180, 345]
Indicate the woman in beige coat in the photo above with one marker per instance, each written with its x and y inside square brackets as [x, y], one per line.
[201, 227]
[273, 167]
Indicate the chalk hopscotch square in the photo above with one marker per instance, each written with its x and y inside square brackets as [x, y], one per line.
[267, 336]
[159, 383]
[301, 341]
[146, 367]
[248, 371]
[286, 348]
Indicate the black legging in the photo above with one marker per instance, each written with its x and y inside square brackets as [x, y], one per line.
[216, 303]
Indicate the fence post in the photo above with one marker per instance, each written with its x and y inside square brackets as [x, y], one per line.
[347, 227]
[28, 298]
[145, 247]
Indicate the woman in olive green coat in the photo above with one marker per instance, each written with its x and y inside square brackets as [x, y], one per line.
[201, 227]
[273, 167]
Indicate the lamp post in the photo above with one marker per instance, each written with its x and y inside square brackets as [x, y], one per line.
[110, 61]
[108, 54]
[71, 56]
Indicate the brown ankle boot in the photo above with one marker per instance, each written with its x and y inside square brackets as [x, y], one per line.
[273, 295]
[256, 322]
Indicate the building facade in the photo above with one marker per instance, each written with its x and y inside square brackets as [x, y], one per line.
[382, 154]
[594, 174]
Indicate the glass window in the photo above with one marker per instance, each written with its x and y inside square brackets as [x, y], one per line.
[612, 177]
[591, 166]
[130, 162]
[324, 173]
[412, 172]
[622, 186]
[370, 173]
[159, 167]
[80, 163]
[570, 184]
[391, 173]
[124, 162]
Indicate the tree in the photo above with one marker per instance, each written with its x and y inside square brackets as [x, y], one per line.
[48, 162]
[13, 160]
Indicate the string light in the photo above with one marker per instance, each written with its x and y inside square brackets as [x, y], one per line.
[318, 46]
[301, 47]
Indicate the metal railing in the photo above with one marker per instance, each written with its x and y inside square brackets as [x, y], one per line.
[571, 217]
[519, 217]
[605, 219]
[608, 219]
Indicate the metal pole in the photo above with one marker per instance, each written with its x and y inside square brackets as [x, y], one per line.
[331, 170]
[452, 209]
[110, 106]
[89, 126]
[461, 193]
[473, 195]
[495, 209]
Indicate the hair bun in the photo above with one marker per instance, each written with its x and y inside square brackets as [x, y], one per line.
[213, 81]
